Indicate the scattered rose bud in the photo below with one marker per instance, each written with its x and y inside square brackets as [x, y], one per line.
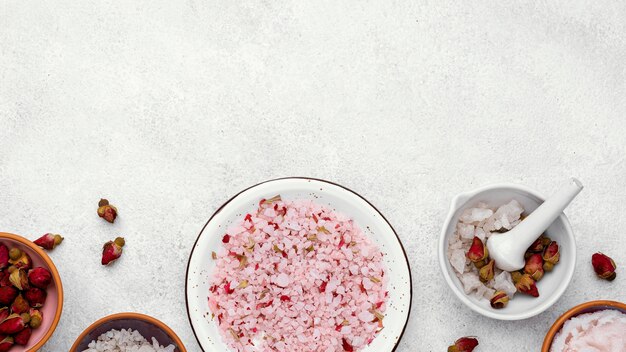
[486, 272]
[4, 256]
[499, 300]
[112, 250]
[478, 251]
[464, 344]
[527, 285]
[604, 266]
[534, 266]
[19, 279]
[551, 256]
[107, 211]
[23, 262]
[35, 296]
[6, 343]
[20, 305]
[7, 295]
[35, 318]
[13, 324]
[22, 337]
[49, 241]
[40, 277]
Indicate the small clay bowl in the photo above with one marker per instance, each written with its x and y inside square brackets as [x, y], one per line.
[588, 307]
[147, 326]
[51, 311]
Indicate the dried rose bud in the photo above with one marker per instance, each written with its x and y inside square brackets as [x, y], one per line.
[6, 343]
[7, 295]
[516, 276]
[107, 211]
[527, 285]
[22, 337]
[49, 241]
[35, 296]
[538, 245]
[499, 300]
[40, 277]
[4, 277]
[486, 272]
[478, 251]
[551, 256]
[534, 266]
[20, 305]
[14, 323]
[4, 313]
[15, 253]
[112, 250]
[23, 262]
[19, 279]
[604, 266]
[464, 344]
[35, 318]
[4, 256]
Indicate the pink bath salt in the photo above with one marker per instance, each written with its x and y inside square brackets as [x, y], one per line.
[297, 276]
[601, 331]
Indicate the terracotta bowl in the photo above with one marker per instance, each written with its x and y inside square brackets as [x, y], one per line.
[53, 307]
[588, 307]
[147, 326]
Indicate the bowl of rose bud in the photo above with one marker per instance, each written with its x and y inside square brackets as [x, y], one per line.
[472, 274]
[31, 293]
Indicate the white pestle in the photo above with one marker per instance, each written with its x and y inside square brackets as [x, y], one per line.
[507, 249]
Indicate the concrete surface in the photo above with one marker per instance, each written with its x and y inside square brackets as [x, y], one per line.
[168, 108]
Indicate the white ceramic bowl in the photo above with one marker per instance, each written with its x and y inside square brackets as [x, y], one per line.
[370, 220]
[553, 284]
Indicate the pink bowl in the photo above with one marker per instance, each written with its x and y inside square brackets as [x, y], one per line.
[53, 307]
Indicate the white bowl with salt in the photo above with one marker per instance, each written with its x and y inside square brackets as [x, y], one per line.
[550, 287]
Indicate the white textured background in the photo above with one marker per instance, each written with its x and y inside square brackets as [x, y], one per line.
[168, 108]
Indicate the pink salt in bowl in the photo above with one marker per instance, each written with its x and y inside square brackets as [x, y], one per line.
[588, 307]
[329, 195]
[147, 326]
[51, 311]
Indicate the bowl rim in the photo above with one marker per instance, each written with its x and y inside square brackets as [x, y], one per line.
[460, 201]
[219, 209]
[57, 281]
[130, 315]
[574, 311]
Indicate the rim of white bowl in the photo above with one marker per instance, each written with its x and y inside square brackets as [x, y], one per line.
[461, 200]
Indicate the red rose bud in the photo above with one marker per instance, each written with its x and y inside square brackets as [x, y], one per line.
[40, 277]
[499, 300]
[107, 211]
[4, 313]
[112, 250]
[35, 296]
[23, 336]
[35, 318]
[6, 343]
[478, 251]
[20, 305]
[19, 279]
[7, 295]
[4, 278]
[464, 344]
[527, 285]
[534, 266]
[49, 241]
[4, 256]
[13, 324]
[604, 266]
[551, 256]
[23, 262]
